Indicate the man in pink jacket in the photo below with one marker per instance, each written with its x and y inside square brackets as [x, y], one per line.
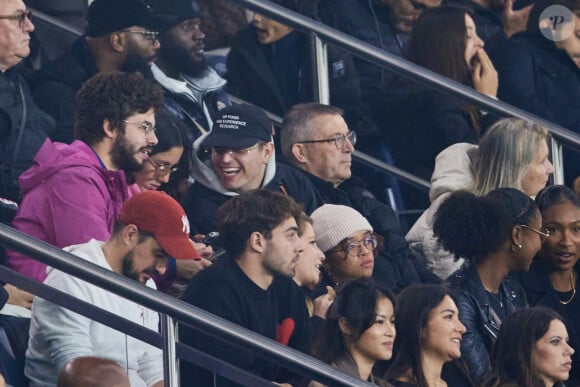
[72, 193]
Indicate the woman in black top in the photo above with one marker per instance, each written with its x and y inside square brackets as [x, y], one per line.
[553, 277]
[496, 233]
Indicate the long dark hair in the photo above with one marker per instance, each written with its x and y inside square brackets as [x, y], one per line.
[438, 43]
[356, 301]
[472, 227]
[511, 358]
[414, 305]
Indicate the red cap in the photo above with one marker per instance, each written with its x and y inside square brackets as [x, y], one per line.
[159, 214]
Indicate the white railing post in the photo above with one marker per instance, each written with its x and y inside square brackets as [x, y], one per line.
[320, 70]
[170, 362]
[557, 161]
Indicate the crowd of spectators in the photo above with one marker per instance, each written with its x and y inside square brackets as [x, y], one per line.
[127, 152]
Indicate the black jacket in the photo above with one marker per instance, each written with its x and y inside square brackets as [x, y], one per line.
[55, 85]
[252, 77]
[23, 130]
[540, 292]
[478, 317]
[368, 21]
[398, 266]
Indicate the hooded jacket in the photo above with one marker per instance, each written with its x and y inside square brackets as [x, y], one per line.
[69, 198]
[194, 101]
[207, 193]
[452, 173]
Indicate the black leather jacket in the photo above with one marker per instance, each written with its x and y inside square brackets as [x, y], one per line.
[475, 312]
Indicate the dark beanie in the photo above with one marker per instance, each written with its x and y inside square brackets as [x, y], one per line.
[106, 16]
[169, 13]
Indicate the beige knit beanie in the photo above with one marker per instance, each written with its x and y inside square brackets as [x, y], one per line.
[332, 223]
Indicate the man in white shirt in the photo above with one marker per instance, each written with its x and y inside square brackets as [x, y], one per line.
[151, 227]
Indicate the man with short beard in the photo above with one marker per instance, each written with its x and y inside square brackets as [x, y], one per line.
[251, 286]
[117, 38]
[151, 226]
[194, 92]
[73, 193]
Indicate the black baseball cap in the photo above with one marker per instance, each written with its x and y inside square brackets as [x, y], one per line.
[239, 126]
[106, 16]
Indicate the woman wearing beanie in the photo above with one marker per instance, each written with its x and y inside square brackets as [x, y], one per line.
[496, 234]
[348, 242]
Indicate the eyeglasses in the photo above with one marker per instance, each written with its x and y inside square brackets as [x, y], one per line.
[190, 26]
[20, 17]
[162, 169]
[339, 140]
[543, 235]
[144, 126]
[149, 36]
[353, 248]
[222, 150]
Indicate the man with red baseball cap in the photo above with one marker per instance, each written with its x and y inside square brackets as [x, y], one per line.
[151, 227]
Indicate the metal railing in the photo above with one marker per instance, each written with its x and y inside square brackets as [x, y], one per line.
[323, 34]
[170, 309]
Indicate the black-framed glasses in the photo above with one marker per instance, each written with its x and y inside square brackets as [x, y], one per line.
[162, 169]
[353, 248]
[339, 140]
[145, 126]
[150, 36]
[222, 150]
[543, 235]
[20, 17]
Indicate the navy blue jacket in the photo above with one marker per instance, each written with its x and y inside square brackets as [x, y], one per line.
[19, 141]
[538, 77]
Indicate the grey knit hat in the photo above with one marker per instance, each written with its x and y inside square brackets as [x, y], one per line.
[332, 223]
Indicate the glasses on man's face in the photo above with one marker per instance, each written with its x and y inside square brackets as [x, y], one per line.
[20, 17]
[353, 248]
[145, 126]
[190, 26]
[543, 235]
[149, 36]
[339, 140]
[162, 170]
[240, 152]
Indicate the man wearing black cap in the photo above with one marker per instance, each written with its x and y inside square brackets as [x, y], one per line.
[117, 38]
[241, 159]
[151, 226]
[194, 91]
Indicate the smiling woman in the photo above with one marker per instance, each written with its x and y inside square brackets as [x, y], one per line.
[165, 158]
[429, 335]
[358, 331]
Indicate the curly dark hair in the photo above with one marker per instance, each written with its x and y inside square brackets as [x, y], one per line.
[112, 96]
[472, 227]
